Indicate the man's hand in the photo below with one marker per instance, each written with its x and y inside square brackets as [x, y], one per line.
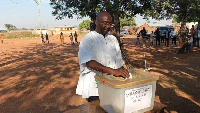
[101, 68]
[121, 72]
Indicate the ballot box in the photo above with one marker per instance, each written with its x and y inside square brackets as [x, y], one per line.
[136, 95]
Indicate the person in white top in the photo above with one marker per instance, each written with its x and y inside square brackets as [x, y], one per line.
[173, 36]
[99, 52]
[152, 38]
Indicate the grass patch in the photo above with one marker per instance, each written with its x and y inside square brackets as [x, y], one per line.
[19, 35]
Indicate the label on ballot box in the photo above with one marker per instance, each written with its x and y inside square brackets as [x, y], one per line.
[138, 98]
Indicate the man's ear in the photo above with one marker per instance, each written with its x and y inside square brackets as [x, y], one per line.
[96, 22]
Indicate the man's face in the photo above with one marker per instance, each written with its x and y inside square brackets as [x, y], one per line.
[104, 24]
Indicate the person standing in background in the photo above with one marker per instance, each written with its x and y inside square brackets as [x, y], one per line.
[42, 37]
[138, 38]
[61, 38]
[157, 33]
[174, 36]
[71, 38]
[167, 38]
[2, 38]
[75, 37]
[152, 38]
[123, 37]
[192, 30]
[47, 38]
[198, 37]
[144, 36]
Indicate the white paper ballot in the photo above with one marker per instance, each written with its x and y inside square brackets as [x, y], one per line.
[130, 76]
[138, 98]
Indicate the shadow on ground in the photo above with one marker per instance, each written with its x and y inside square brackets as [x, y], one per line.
[39, 79]
[179, 83]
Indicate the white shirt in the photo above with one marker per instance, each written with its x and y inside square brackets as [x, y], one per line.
[106, 51]
[152, 37]
[173, 33]
[191, 40]
[198, 33]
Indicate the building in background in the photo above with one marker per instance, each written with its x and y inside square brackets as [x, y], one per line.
[55, 30]
[44, 30]
[65, 29]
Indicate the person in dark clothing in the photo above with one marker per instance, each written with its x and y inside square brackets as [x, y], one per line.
[162, 36]
[144, 36]
[42, 37]
[47, 38]
[157, 33]
[75, 37]
[167, 38]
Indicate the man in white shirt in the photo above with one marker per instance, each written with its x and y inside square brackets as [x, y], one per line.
[99, 51]
[173, 36]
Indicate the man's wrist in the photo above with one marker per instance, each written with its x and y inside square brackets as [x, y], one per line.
[113, 71]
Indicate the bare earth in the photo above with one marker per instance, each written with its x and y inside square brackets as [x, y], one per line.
[42, 78]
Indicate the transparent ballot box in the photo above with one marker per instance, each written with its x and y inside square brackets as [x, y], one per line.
[136, 95]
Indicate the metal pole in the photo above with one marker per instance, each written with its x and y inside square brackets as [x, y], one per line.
[37, 2]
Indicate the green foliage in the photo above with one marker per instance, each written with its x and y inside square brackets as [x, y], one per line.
[127, 22]
[76, 26]
[10, 27]
[184, 11]
[161, 9]
[193, 15]
[81, 8]
[155, 22]
[117, 9]
[85, 24]
[176, 19]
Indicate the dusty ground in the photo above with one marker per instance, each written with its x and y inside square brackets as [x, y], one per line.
[41, 78]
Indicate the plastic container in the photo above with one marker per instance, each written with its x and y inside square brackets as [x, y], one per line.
[134, 95]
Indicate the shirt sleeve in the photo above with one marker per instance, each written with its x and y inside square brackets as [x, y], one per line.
[85, 54]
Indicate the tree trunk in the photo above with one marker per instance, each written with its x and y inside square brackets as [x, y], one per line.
[116, 28]
[183, 31]
[198, 24]
[92, 23]
[115, 17]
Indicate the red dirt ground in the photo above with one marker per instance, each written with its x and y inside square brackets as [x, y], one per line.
[42, 78]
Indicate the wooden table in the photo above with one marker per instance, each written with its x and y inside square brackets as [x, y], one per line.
[94, 107]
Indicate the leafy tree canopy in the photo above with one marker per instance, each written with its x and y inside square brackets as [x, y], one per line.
[10, 27]
[127, 22]
[161, 9]
[176, 19]
[85, 24]
[185, 11]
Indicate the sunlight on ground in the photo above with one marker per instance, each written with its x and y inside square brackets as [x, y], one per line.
[43, 78]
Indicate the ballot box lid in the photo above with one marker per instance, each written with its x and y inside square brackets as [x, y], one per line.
[139, 77]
